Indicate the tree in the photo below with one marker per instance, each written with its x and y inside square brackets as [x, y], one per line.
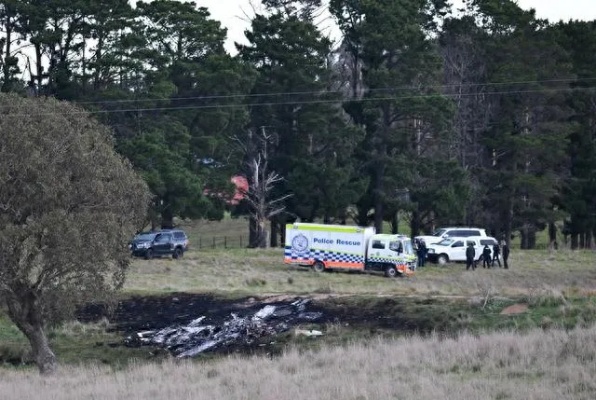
[401, 110]
[10, 41]
[262, 206]
[526, 140]
[68, 205]
[294, 102]
[579, 193]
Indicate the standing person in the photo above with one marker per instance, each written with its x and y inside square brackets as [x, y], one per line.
[505, 249]
[422, 250]
[496, 253]
[486, 257]
[470, 255]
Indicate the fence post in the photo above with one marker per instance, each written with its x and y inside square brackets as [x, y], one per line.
[225, 242]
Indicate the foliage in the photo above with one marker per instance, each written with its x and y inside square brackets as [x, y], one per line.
[68, 206]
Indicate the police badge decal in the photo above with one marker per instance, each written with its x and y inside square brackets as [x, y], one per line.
[300, 243]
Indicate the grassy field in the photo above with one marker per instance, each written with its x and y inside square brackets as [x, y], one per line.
[262, 272]
[544, 365]
[477, 351]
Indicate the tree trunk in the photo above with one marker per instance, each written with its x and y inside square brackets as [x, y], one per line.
[378, 198]
[552, 236]
[282, 231]
[574, 241]
[167, 218]
[274, 232]
[395, 223]
[25, 313]
[415, 224]
[252, 232]
[261, 238]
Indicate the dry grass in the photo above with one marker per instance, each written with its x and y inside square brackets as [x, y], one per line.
[244, 271]
[539, 365]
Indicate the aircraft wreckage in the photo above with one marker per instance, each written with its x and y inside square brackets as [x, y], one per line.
[198, 335]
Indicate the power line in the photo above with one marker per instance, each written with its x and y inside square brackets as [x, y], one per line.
[297, 93]
[300, 102]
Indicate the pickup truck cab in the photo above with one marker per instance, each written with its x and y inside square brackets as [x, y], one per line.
[453, 249]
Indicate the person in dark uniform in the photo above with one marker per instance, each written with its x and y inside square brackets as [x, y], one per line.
[505, 249]
[470, 255]
[486, 257]
[422, 250]
[496, 254]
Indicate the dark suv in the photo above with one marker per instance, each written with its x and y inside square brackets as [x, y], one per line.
[166, 242]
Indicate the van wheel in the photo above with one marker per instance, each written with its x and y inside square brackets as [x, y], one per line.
[148, 254]
[318, 266]
[391, 271]
[442, 259]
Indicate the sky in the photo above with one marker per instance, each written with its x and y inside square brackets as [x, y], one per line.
[235, 14]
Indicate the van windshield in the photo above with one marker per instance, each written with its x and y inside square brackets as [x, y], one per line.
[408, 249]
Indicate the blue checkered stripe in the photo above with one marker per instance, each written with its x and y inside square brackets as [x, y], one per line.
[387, 260]
[324, 255]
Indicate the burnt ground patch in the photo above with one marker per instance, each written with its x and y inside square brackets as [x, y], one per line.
[157, 312]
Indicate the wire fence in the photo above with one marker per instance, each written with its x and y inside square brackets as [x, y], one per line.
[220, 242]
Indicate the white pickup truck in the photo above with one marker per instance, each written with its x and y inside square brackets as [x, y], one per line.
[456, 231]
[453, 249]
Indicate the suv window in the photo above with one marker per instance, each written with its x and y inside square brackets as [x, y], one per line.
[459, 243]
[490, 242]
[463, 232]
[445, 242]
[179, 235]
[163, 238]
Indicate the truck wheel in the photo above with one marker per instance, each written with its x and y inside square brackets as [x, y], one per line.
[177, 253]
[442, 259]
[391, 271]
[318, 266]
[148, 254]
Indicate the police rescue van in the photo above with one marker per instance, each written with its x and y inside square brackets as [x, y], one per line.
[348, 247]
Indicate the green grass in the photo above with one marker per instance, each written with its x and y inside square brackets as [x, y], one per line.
[558, 286]
[262, 272]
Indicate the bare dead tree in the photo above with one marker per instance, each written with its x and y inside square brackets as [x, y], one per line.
[260, 197]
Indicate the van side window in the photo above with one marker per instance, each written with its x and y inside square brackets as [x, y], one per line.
[378, 244]
[459, 243]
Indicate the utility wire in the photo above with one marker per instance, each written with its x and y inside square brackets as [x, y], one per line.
[299, 102]
[387, 89]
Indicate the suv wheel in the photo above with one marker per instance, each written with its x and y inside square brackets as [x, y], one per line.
[177, 253]
[148, 254]
[442, 259]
